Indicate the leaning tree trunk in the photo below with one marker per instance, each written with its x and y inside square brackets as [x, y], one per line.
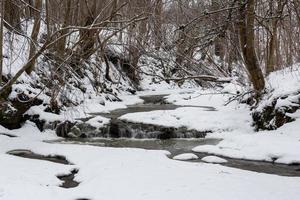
[35, 33]
[246, 32]
[1, 39]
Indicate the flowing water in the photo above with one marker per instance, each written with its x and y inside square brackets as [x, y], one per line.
[122, 134]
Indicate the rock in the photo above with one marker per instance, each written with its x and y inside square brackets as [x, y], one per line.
[83, 130]
[132, 91]
[72, 135]
[122, 128]
[51, 125]
[64, 128]
[213, 159]
[277, 112]
[9, 116]
[11, 113]
[75, 131]
[38, 122]
[186, 156]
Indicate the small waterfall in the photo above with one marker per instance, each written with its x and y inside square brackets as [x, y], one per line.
[118, 128]
[124, 129]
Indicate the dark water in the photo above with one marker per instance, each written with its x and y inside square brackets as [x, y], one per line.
[29, 154]
[174, 146]
[179, 146]
[151, 103]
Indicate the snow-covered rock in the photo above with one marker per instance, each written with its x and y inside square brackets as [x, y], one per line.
[186, 156]
[213, 159]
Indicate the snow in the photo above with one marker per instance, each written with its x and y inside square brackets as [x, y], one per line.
[186, 156]
[285, 81]
[279, 146]
[135, 174]
[193, 118]
[115, 173]
[232, 123]
[97, 121]
[147, 174]
[204, 111]
[213, 159]
[47, 116]
[281, 83]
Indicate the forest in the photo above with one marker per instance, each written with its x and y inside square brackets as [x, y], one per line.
[161, 99]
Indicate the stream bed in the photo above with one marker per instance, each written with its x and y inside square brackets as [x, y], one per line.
[122, 134]
[179, 146]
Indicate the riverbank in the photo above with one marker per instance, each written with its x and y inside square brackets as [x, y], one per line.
[134, 173]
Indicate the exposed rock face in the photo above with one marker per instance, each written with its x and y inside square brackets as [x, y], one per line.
[9, 117]
[38, 122]
[277, 113]
[11, 112]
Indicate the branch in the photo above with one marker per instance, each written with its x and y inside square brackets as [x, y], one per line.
[46, 46]
[203, 78]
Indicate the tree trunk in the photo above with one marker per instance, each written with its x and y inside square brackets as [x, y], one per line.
[1, 39]
[158, 11]
[246, 32]
[61, 45]
[12, 16]
[35, 33]
[273, 41]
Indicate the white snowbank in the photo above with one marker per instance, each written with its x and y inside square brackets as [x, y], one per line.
[97, 121]
[281, 145]
[281, 83]
[194, 118]
[186, 156]
[116, 173]
[213, 159]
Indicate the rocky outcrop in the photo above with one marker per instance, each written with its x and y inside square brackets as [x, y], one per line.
[12, 112]
[277, 113]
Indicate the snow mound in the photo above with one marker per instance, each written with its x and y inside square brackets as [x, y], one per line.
[98, 121]
[213, 159]
[186, 156]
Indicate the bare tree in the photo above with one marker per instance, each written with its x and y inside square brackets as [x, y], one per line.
[1, 39]
[246, 32]
[35, 33]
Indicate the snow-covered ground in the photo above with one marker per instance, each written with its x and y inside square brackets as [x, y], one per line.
[232, 122]
[111, 173]
[127, 173]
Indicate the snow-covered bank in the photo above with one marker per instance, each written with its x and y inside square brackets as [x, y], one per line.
[281, 145]
[232, 123]
[126, 174]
